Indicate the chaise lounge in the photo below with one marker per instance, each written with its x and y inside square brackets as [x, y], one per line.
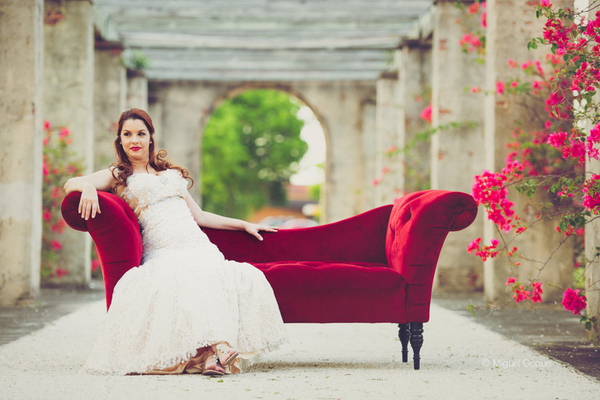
[376, 267]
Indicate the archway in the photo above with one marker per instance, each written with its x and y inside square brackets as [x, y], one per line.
[263, 153]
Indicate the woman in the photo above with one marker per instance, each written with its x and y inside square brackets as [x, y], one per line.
[186, 308]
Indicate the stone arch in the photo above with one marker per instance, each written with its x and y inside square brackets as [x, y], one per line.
[180, 110]
[232, 92]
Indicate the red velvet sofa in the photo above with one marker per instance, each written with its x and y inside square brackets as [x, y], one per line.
[375, 267]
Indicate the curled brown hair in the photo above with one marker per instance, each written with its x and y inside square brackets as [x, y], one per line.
[122, 169]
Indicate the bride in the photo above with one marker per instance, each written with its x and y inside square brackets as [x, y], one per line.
[185, 308]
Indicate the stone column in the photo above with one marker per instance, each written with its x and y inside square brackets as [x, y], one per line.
[369, 155]
[180, 115]
[389, 130]
[456, 154]
[69, 101]
[21, 57]
[592, 234]
[109, 101]
[137, 90]
[415, 71]
[592, 273]
[510, 26]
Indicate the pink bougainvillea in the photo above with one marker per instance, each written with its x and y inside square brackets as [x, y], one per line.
[573, 301]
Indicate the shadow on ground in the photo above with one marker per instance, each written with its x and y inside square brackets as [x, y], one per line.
[549, 329]
[49, 305]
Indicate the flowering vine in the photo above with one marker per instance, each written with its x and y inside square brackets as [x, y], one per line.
[551, 159]
[56, 170]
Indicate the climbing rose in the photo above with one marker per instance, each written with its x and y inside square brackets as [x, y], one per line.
[573, 302]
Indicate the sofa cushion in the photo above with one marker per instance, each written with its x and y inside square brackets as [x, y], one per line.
[336, 291]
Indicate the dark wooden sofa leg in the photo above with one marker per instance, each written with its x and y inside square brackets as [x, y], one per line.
[416, 341]
[404, 335]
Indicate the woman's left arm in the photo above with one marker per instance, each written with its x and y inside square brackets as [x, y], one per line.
[210, 220]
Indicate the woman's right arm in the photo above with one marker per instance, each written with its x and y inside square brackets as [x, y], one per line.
[88, 186]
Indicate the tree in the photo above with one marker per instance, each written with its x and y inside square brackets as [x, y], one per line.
[251, 148]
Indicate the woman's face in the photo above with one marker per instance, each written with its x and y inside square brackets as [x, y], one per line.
[135, 140]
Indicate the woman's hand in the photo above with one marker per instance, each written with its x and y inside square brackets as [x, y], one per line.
[88, 204]
[254, 228]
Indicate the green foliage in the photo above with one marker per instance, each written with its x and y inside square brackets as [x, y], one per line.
[135, 60]
[251, 148]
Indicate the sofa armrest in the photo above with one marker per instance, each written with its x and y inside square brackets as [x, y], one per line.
[115, 232]
[419, 224]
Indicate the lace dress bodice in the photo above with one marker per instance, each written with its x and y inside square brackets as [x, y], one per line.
[165, 219]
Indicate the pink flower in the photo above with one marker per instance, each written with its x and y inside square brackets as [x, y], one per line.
[61, 272]
[426, 114]
[47, 215]
[521, 294]
[484, 19]
[95, 265]
[391, 149]
[46, 140]
[510, 280]
[536, 297]
[385, 170]
[494, 243]
[499, 87]
[573, 301]
[44, 168]
[545, 3]
[473, 8]
[46, 125]
[375, 182]
[474, 245]
[557, 139]
[514, 84]
[512, 64]
[56, 245]
[64, 132]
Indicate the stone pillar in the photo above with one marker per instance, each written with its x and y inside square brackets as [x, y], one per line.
[69, 101]
[389, 131]
[369, 155]
[180, 114]
[22, 40]
[456, 154]
[415, 71]
[109, 101]
[137, 90]
[510, 26]
[592, 273]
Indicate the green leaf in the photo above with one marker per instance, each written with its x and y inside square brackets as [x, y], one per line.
[471, 308]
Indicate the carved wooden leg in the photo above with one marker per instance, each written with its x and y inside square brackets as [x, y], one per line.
[404, 335]
[416, 341]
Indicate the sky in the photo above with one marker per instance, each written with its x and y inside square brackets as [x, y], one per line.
[312, 133]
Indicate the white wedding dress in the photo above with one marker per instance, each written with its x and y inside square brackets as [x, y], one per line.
[185, 295]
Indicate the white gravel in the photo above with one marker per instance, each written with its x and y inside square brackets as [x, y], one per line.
[460, 359]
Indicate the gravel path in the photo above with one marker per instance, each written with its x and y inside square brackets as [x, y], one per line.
[460, 359]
